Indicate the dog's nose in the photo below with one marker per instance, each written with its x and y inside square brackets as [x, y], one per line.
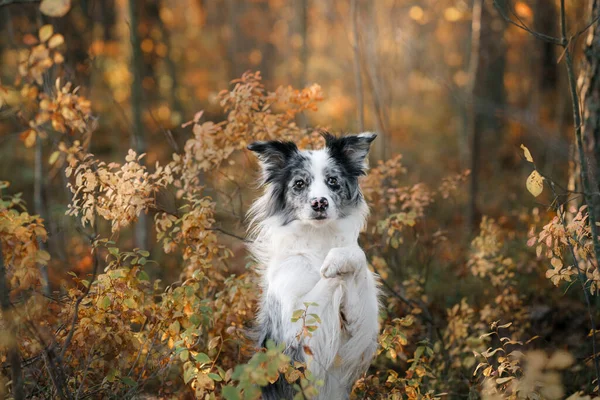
[319, 204]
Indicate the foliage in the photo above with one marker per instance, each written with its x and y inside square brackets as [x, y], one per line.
[115, 329]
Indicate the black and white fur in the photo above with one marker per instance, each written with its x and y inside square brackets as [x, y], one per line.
[305, 231]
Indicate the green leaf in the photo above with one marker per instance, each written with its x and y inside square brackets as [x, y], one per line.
[104, 303]
[184, 355]
[143, 276]
[297, 315]
[188, 375]
[215, 377]
[231, 393]
[202, 358]
[130, 303]
[128, 381]
[195, 319]
[144, 253]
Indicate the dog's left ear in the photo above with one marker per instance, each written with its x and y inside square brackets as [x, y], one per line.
[273, 155]
[351, 149]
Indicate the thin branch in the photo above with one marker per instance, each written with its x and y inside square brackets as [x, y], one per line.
[583, 280]
[541, 36]
[80, 299]
[233, 235]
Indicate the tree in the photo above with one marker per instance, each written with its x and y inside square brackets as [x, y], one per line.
[590, 94]
[138, 141]
[486, 85]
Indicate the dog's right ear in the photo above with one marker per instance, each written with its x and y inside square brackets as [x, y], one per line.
[273, 155]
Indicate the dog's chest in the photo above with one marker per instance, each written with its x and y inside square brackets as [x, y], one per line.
[313, 244]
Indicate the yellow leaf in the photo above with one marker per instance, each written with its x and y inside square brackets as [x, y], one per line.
[535, 183]
[28, 137]
[56, 41]
[53, 157]
[527, 153]
[55, 8]
[46, 32]
[556, 263]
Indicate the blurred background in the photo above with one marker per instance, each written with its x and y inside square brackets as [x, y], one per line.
[420, 73]
[448, 84]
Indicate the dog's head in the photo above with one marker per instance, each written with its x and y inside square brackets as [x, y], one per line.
[314, 186]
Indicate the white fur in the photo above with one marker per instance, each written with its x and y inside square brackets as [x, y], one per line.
[322, 263]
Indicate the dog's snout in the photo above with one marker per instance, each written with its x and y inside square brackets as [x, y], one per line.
[319, 204]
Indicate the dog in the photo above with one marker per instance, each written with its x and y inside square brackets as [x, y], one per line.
[304, 232]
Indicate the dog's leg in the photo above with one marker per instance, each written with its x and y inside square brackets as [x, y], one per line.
[294, 283]
[359, 309]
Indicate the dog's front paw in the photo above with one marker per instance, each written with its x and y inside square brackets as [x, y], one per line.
[339, 261]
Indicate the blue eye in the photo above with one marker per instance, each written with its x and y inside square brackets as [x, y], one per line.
[332, 181]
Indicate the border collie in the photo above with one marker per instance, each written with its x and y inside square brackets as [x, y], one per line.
[305, 231]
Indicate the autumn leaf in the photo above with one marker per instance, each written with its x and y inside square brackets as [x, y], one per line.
[527, 153]
[55, 8]
[55, 41]
[46, 32]
[28, 137]
[535, 183]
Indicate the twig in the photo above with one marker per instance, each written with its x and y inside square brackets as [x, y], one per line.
[541, 36]
[564, 41]
[583, 280]
[233, 235]
[82, 296]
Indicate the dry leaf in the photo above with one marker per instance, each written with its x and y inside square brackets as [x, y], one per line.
[527, 153]
[56, 41]
[535, 183]
[46, 32]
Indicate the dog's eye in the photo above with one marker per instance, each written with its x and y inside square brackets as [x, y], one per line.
[299, 184]
[332, 181]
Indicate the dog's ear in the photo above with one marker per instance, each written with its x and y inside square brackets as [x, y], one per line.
[351, 150]
[273, 155]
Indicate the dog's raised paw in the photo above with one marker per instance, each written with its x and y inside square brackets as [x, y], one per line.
[337, 263]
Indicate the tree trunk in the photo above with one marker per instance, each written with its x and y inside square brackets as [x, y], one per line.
[590, 94]
[137, 138]
[357, 73]
[38, 203]
[486, 84]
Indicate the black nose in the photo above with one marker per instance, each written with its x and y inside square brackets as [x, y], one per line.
[319, 204]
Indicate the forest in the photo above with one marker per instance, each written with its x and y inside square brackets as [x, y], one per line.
[125, 182]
